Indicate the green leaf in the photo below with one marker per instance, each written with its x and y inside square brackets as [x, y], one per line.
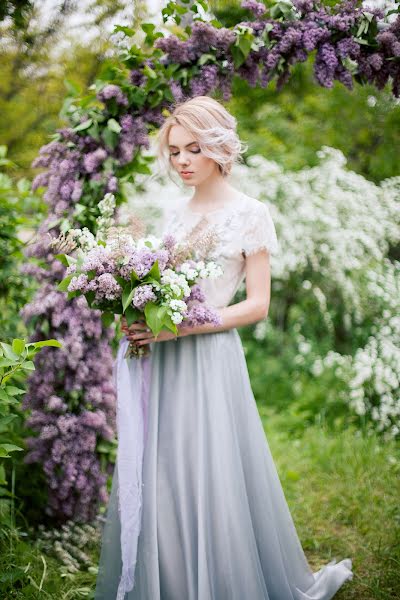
[91, 274]
[82, 126]
[3, 479]
[204, 58]
[169, 324]
[63, 285]
[8, 351]
[154, 272]
[107, 318]
[120, 280]
[4, 396]
[51, 342]
[132, 314]
[127, 296]
[134, 277]
[28, 365]
[10, 447]
[7, 362]
[128, 31]
[110, 138]
[14, 391]
[148, 27]
[62, 258]
[90, 296]
[18, 346]
[155, 316]
[114, 126]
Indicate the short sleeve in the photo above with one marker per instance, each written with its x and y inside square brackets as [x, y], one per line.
[259, 231]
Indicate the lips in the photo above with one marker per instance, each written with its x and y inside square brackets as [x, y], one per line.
[186, 172]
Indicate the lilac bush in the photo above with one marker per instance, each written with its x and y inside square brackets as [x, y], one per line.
[102, 147]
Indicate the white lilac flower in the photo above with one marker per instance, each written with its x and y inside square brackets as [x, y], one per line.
[107, 205]
[212, 270]
[176, 318]
[178, 305]
[176, 281]
[83, 237]
[188, 270]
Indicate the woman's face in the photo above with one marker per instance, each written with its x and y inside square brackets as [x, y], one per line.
[187, 158]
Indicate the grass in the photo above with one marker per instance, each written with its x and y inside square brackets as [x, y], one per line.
[342, 490]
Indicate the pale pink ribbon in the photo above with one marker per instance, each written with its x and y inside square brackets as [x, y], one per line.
[132, 384]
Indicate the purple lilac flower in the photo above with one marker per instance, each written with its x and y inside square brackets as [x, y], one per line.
[93, 160]
[198, 314]
[100, 260]
[77, 190]
[78, 284]
[205, 82]
[143, 294]
[196, 293]
[106, 287]
[112, 184]
[137, 78]
[113, 91]
[142, 261]
[257, 8]
[162, 256]
[70, 455]
[168, 241]
[133, 134]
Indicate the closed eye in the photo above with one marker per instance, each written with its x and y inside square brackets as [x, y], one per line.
[192, 151]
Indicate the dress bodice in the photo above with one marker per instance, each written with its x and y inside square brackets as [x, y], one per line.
[243, 226]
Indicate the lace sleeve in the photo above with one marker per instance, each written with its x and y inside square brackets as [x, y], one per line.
[259, 231]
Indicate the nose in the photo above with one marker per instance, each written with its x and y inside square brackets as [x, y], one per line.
[182, 159]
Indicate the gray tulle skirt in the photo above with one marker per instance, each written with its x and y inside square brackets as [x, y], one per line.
[215, 522]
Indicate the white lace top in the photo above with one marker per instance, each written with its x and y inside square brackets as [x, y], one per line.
[243, 226]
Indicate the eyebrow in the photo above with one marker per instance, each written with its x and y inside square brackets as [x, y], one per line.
[190, 143]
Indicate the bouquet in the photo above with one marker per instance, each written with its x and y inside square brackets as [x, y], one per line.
[141, 277]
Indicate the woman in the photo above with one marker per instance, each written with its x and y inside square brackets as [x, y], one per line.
[213, 519]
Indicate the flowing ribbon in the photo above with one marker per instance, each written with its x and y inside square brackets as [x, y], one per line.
[132, 382]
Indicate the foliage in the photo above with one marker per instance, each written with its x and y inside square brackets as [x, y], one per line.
[289, 126]
[16, 9]
[15, 290]
[14, 358]
[102, 147]
[335, 294]
[39, 61]
[334, 487]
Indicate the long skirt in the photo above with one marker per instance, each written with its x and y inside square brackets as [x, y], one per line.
[215, 524]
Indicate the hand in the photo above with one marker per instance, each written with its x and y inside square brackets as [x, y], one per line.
[148, 338]
[139, 333]
[138, 327]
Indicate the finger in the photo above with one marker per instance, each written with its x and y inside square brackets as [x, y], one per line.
[139, 335]
[146, 341]
[138, 327]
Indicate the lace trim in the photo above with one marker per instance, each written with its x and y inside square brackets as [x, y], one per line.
[259, 233]
[258, 248]
[244, 230]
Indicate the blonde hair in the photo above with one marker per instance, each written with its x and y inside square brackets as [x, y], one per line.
[213, 127]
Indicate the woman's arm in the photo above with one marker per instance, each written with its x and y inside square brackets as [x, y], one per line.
[253, 309]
